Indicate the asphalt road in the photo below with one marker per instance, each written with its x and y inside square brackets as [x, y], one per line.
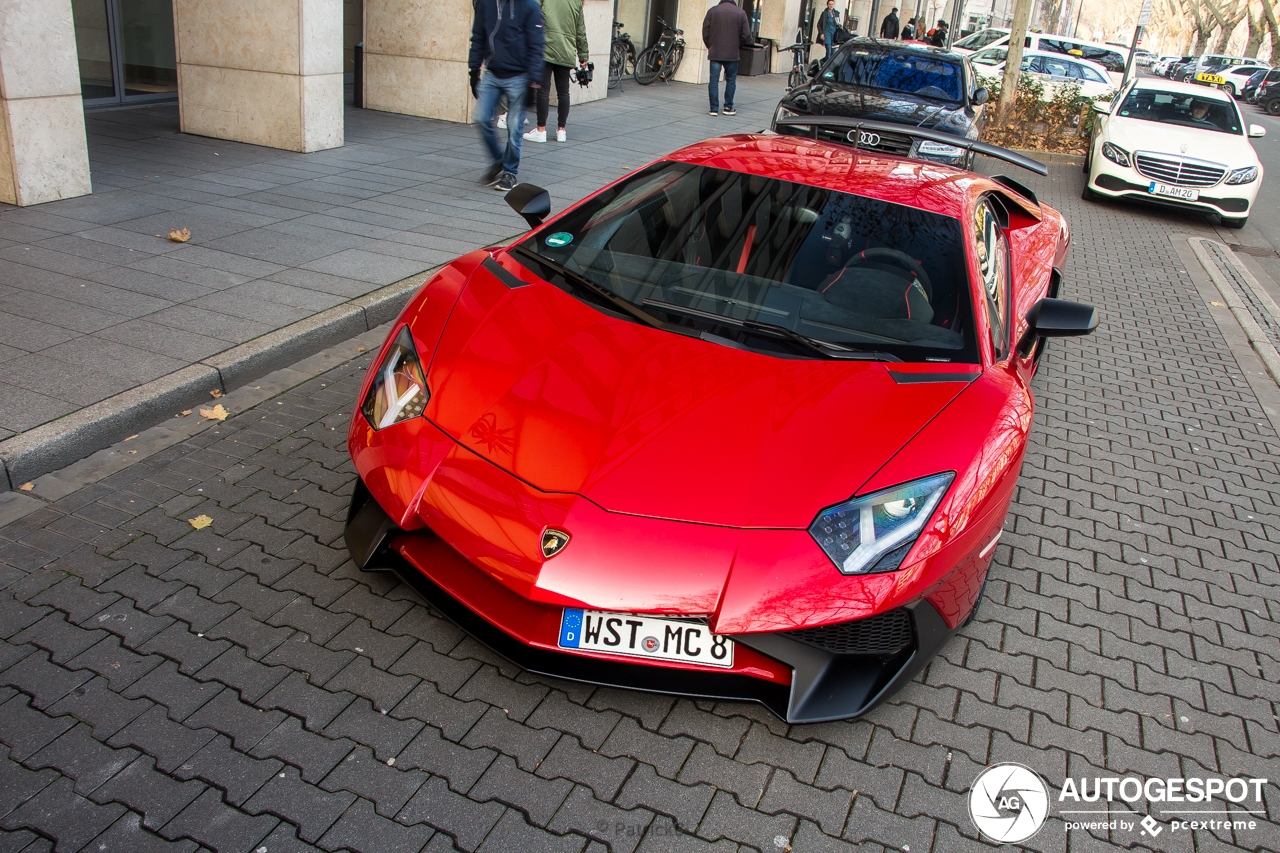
[1264, 218]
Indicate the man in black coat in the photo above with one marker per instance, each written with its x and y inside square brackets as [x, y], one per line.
[725, 31]
[889, 28]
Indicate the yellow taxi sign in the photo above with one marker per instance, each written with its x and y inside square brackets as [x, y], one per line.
[1211, 78]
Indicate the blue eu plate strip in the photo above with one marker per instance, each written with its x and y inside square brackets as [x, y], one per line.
[571, 628]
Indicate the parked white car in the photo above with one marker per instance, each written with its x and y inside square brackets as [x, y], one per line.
[1161, 65]
[1175, 143]
[1053, 70]
[1109, 56]
[1229, 78]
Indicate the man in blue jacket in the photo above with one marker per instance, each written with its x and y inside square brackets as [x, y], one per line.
[507, 40]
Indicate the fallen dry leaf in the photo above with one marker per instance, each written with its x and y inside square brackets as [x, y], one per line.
[1218, 304]
[133, 453]
[200, 522]
[217, 413]
[215, 393]
[179, 235]
[132, 437]
[186, 411]
[359, 349]
[26, 487]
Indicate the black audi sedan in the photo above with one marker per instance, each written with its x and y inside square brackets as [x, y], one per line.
[896, 82]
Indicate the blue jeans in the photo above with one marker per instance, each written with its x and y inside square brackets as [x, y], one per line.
[492, 88]
[730, 84]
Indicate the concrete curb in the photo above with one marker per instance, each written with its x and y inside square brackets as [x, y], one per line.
[1052, 156]
[1257, 337]
[59, 443]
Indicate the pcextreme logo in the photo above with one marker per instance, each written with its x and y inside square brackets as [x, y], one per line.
[1010, 802]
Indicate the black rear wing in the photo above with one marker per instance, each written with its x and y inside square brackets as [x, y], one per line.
[856, 126]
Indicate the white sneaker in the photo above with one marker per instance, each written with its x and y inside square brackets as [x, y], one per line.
[535, 135]
[502, 121]
[560, 135]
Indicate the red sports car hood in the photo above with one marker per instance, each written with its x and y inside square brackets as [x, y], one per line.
[647, 422]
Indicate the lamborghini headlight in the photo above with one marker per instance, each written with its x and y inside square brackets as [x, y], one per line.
[398, 391]
[873, 533]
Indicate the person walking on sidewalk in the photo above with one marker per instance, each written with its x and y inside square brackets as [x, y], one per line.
[938, 35]
[566, 42]
[909, 30]
[507, 39]
[889, 28]
[725, 31]
[828, 23]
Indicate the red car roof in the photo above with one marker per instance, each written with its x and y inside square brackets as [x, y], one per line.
[916, 183]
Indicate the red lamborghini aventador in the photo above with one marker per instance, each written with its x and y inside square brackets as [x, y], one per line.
[744, 424]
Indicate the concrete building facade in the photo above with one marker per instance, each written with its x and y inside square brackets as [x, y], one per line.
[265, 72]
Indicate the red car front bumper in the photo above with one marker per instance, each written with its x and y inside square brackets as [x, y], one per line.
[812, 644]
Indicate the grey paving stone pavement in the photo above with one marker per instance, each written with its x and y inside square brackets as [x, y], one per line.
[243, 687]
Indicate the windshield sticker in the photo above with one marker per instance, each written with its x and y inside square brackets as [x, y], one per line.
[558, 239]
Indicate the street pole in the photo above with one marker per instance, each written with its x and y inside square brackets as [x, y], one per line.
[1143, 18]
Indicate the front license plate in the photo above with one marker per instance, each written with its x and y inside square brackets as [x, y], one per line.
[643, 637]
[1173, 192]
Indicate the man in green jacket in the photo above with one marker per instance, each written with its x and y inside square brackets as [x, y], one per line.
[566, 46]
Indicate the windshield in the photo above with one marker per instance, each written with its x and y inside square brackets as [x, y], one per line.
[991, 56]
[914, 74]
[980, 39]
[692, 244]
[1183, 110]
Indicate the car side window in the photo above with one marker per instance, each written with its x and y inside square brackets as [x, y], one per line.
[992, 251]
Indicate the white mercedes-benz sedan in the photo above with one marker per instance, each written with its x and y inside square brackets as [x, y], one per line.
[1175, 143]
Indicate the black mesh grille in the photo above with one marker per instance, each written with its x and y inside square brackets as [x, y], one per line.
[884, 634]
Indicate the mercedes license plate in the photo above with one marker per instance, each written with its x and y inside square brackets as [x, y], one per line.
[1183, 193]
[643, 637]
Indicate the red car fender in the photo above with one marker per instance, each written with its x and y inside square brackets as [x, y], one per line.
[396, 478]
[982, 436]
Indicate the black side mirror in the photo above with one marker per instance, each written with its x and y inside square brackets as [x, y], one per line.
[814, 68]
[981, 96]
[531, 202]
[1057, 318]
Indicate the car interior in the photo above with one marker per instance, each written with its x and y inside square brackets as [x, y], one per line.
[842, 268]
[1184, 110]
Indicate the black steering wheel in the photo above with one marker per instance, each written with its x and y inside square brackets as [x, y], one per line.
[893, 256]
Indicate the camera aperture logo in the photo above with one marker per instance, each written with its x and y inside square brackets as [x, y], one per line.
[1008, 803]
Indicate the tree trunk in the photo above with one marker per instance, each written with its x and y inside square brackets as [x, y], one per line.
[1269, 15]
[1257, 29]
[1013, 61]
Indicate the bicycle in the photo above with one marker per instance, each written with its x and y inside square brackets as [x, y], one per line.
[661, 60]
[799, 64]
[621, 51]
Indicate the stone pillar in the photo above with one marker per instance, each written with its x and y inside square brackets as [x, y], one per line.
[779, 21]
[43, 152]
[415, 56]
[267, 72]
[695, 67]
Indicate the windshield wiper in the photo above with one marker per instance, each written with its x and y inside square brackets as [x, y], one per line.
[826, 349]
[580, 282]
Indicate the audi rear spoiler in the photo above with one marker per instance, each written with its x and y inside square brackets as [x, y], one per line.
[854, 126]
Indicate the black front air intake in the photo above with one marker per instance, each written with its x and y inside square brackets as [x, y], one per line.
[882, 634]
